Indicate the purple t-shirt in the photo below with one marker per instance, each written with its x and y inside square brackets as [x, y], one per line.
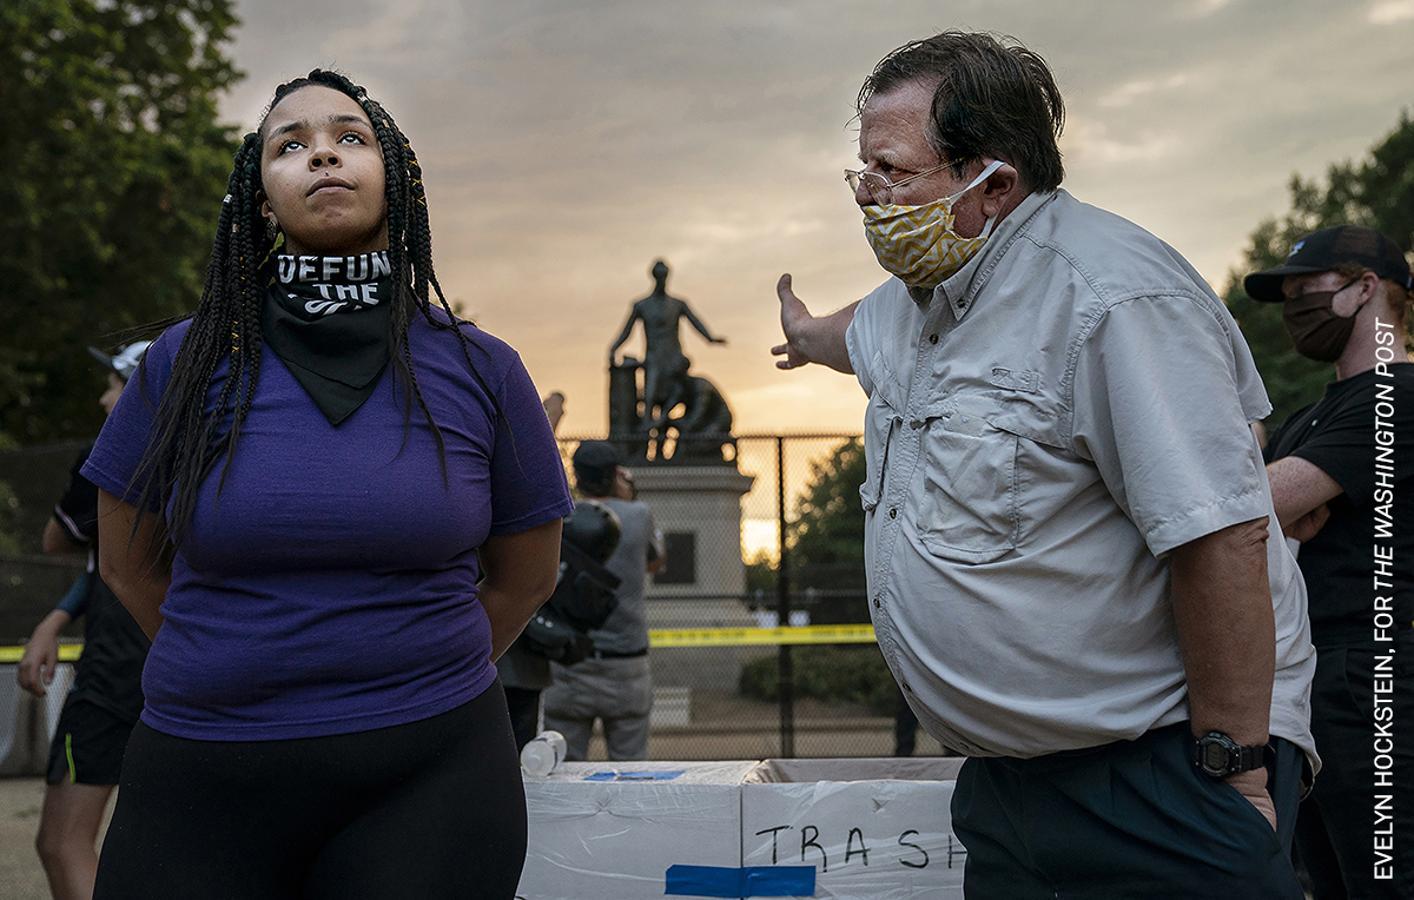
[331, 587]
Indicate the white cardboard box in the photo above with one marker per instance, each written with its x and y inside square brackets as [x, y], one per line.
[862, 828]
[615, 838]
[875, 828]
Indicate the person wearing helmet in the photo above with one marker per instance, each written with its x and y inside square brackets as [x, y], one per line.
[613, 684]
[86, 753]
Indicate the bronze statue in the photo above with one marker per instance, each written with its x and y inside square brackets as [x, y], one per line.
[665, 366]
[705, 425]
[637, 420]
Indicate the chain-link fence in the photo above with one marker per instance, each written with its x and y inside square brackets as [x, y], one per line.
[772, 537]
[31, 482]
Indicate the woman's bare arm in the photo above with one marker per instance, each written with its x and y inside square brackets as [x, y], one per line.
[131, 564]
[520, 572]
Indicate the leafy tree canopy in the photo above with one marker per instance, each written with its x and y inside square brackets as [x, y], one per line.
[115, 165]
[825, 543]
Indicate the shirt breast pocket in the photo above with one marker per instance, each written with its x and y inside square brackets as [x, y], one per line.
[969, 512]
[879, 421]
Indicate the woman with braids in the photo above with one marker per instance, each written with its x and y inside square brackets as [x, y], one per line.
[328, 551]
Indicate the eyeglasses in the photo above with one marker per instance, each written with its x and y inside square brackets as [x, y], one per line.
[879, 187]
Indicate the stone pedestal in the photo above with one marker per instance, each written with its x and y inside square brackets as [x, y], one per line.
[698, 509]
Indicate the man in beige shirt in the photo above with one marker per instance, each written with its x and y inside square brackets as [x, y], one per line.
[1074, 569]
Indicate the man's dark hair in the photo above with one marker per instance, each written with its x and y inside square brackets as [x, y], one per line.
[595, 482]
[993, 98]
[186, 440]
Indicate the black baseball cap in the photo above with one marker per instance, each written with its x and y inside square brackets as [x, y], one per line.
[595, 457]
[1324, 250]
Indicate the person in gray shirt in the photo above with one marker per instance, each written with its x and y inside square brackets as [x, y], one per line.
[1074, 568]
[613, 684]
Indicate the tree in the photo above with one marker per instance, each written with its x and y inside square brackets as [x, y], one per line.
[825, 552]
[115, 167]
[825, 542]
[1377, 192]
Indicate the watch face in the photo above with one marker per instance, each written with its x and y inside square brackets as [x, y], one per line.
[1215, 757]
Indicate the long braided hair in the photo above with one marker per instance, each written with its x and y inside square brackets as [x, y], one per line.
[186, 441]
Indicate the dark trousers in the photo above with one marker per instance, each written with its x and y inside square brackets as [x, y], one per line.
[905, 728]
[524, 707]
[1335, 832]
[431, 809]
[1129, 819]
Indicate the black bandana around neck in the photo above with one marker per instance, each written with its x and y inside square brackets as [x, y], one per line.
[327, 318]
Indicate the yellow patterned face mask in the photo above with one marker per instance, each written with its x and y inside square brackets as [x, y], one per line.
[918, 243]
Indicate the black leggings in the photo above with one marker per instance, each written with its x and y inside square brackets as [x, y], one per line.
[430, 809]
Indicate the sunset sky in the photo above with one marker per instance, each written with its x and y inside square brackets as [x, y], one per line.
[567, 145]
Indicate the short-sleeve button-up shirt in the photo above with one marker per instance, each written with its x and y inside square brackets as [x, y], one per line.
[1042, 431]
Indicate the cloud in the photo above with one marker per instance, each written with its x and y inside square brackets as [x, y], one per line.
[565, 146]
[1130, 91]
[393, 30]
[1204, 8]
[1388, 12]
[1089, 142]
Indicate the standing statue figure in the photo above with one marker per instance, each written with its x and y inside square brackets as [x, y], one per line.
[665, 379]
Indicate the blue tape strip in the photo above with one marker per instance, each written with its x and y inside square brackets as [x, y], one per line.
[664, 775]
[747, 881]
[778, 881]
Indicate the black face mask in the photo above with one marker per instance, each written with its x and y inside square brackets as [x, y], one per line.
[1315, 329]
[327, 317]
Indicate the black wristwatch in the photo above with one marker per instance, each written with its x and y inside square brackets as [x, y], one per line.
[1218, 756]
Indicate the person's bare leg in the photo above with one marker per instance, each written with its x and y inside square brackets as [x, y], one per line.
[68, 834]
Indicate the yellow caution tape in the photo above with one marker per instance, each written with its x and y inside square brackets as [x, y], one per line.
[67, 653]
[657, 637]
[760, 637]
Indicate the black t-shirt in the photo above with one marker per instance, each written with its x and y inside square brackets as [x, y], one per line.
[1338, 435]
[109, 673]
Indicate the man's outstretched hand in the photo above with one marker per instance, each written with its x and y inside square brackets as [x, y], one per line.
[795, 324]
[811, 339]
